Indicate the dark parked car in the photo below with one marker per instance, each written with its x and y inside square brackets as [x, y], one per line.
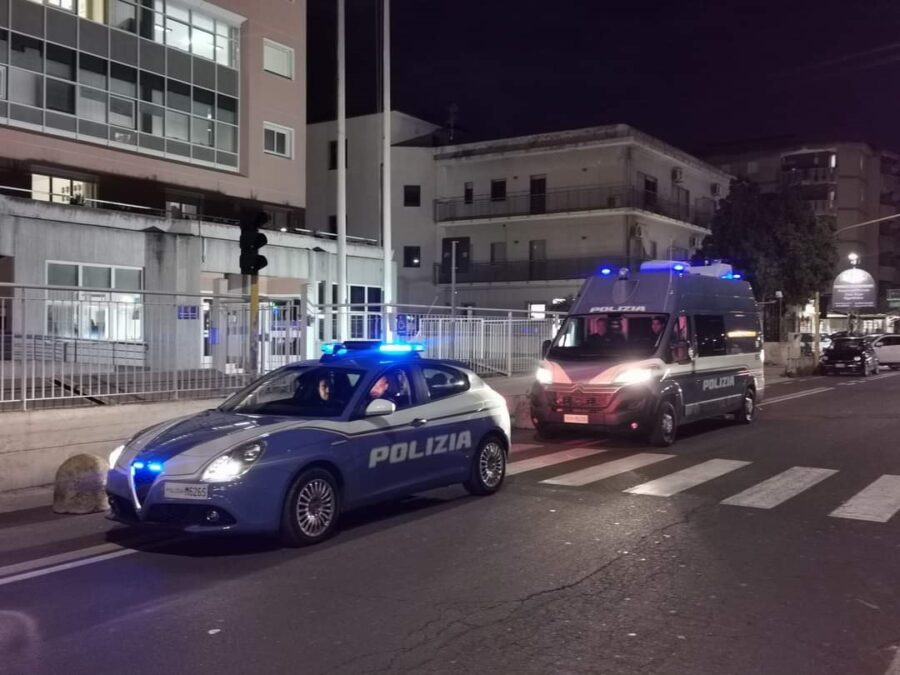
[850, 355]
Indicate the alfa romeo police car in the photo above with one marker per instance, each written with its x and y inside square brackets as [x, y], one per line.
[295, 449]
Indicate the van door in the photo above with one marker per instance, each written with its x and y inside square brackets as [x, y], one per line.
[682, 354]
[717, 389]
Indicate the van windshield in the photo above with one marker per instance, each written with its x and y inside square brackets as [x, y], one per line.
[609, 335]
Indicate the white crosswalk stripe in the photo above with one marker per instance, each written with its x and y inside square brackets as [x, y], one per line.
[687, 478]
[618, 466]
[877, 503]
[523, 465]
[778, 489]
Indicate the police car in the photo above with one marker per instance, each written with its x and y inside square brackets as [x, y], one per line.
[646, 352]
[295, 449]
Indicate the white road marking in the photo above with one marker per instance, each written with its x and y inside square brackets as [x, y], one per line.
[550, 459]
[594, 473]
[883, 376]
[790, 397]
[523, 447]
[65, 566]
[687, 478]
[877, 503]
[778, 489]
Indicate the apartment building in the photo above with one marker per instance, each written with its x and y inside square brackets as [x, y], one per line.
[134, 134]
[529, 217]
[847, 182]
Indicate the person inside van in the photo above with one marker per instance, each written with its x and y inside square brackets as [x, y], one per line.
[657, 324]
[600, 336]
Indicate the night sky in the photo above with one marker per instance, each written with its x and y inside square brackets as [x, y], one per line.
[694, 73]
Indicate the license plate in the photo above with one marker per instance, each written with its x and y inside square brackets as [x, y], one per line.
[187, 491]
[575, 419]
[839, 365]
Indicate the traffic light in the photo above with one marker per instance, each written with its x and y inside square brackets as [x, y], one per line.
[251, 241]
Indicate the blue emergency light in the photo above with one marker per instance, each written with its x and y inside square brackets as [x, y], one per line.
[401, 348]
[605, 271]
[154, 467]
[333, 348]
[362, 346]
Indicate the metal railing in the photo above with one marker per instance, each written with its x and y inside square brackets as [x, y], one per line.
[86, 346]
[567, 200]
[551, 269]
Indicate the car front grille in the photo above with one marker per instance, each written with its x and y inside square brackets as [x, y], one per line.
[579, 402]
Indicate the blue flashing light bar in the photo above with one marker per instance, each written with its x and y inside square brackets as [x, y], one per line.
[155, 467]
[138, 465]
[605, 271]
[678, 267]
[333, 348]
[401, 348]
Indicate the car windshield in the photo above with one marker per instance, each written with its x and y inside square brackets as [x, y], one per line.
[602, 335]
[298, 392]
[847, 344]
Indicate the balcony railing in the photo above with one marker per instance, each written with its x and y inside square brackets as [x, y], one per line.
[554, 269]
[568, 200]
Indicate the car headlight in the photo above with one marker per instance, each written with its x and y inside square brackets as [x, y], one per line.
[544, 375]
[857, 358]
[634, 376]
[233, 463]
[114, 456]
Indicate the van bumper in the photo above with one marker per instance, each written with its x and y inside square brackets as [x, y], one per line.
[626, 409]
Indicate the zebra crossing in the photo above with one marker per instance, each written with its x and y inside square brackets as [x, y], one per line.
[878, 502]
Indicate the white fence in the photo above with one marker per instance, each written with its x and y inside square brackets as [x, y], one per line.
[74, 345]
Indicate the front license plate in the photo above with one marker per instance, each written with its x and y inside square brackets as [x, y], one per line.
[575, 419]
[187, 491]
[839, 365]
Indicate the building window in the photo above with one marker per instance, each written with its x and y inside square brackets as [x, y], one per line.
[498, 190]
[468, 193]
[111, 310]
[651, 190]
[498, 252]
[412, 195]
[412, 256]
[332, 224]
[61, 190]
[278, 59]
[278, 140]
[182, 209]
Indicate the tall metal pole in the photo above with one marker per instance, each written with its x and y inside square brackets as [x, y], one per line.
[255, 366]
[341, 174]
[453, 298]
[386, 237]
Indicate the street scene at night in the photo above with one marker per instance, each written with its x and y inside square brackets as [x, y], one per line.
[391, 336]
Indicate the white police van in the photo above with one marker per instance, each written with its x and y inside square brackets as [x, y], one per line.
[649, 351]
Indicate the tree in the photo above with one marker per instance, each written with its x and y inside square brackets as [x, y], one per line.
[775, 240]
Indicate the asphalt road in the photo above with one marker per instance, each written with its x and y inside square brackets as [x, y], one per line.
[563, 571]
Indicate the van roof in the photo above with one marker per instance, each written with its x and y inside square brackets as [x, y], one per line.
[664, 292]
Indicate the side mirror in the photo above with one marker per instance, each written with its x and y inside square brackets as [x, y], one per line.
[380, 407]
[545, 347]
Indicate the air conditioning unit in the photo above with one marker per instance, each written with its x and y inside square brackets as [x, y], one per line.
[677, 174]
[637, 231]
[715, 189]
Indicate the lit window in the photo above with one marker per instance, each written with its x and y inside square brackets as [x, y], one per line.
[278, 59]
[278, 140]
[832, 162]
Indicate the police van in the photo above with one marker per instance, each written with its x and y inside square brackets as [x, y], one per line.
[649, 351]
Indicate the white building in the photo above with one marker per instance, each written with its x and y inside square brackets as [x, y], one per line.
[531, 216]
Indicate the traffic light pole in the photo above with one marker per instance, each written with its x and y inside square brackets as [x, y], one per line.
[254, 325]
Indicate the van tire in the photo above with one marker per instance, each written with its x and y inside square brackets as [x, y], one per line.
[664, 427]
[747, 412]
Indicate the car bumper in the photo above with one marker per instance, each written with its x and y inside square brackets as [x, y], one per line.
[847, 367]
[231, 508]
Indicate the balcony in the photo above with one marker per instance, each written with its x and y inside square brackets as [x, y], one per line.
[554, 269]
[571, 200]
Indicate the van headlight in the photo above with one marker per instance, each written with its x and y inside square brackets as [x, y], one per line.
[114, 456]
[634, 376]
[857, 358]
[544, 375]
[233, 463]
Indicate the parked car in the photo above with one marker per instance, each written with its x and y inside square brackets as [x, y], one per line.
[806, 343]
[850, 355]
[887, 349]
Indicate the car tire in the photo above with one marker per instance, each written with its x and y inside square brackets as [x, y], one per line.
[747, 412]
[664, 425]
[311, 508]
[865, 371]
[488, 468]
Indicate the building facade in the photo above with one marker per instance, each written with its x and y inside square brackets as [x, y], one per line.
[846, 182]
[528, 218]
[134, 136]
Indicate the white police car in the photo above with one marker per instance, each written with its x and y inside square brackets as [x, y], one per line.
[295, 449]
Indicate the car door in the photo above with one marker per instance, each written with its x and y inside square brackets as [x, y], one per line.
[887, 348]
[391, 449]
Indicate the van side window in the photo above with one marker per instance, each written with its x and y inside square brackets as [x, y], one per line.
[680, 341]
[710, 335]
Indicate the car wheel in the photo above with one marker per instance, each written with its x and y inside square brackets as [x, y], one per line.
[665, 425]
[747, 411]
[311, 509]
[488, 468]
[865, 371]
